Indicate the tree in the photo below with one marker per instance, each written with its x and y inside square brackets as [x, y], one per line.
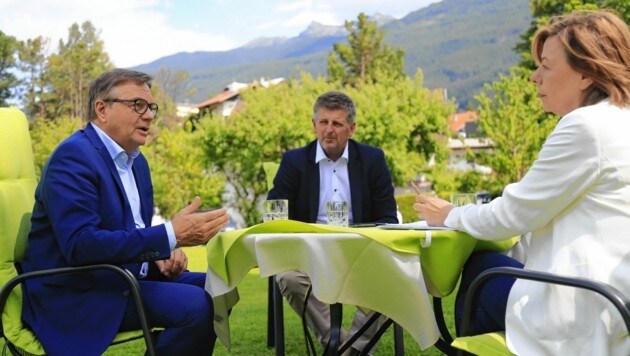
[46, 136]
[511, 115]
[80, 60]
[174, 83]
[402, 117]
[366, 58]
[543, 10]
[178, 172]
[33, 61]
[8, 80]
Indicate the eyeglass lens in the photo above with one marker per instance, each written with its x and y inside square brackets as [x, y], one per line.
[141, 106]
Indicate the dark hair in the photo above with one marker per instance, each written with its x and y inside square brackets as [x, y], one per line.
[103, 85]
[334, 100]
[597, 45]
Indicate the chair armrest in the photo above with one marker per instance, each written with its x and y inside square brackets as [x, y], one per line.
[126, 275]
[609, 292]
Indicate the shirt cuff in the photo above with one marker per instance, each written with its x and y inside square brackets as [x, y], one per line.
[172, 241]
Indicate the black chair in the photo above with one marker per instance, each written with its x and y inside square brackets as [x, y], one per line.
[620, 301]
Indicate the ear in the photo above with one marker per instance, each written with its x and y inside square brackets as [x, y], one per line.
[100, 109]
[353, 126]
[585, 82]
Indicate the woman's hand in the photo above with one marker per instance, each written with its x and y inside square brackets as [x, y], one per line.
[432, 209]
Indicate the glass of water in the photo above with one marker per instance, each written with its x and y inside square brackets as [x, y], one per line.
[337, 213]
[463, 199]
[275, 209]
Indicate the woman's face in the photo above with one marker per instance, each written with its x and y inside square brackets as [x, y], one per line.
[560, 87]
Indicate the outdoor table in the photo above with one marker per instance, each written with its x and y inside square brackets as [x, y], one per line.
[388, 271]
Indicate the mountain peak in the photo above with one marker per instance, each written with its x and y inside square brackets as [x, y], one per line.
[265, 42]
[316, 29]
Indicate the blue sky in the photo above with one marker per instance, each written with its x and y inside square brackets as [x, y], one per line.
[140, 31]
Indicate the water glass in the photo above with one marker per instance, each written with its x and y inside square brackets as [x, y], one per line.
[337, 213]
[463, 199]
[275, 209]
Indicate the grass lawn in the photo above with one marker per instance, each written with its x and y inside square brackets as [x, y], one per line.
[248, 322]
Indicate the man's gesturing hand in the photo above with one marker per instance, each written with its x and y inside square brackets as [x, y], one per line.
[196, 228]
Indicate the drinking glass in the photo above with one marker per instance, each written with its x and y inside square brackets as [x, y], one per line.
[463, 199]
[337, 213]
[275, 209]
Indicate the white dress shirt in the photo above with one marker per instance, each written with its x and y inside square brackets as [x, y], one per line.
[575, 201]
[334, 184]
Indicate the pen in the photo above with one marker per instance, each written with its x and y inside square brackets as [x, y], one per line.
[414, 186]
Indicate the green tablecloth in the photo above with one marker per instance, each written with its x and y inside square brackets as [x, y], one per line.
[442, 261]
[368, 268]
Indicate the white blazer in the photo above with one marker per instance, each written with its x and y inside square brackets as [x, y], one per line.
[575, 201]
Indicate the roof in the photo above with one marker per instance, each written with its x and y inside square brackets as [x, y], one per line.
[456, 122]
[219, 98]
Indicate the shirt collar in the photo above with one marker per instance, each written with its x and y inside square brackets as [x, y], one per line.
[114, 150]
[321, 155]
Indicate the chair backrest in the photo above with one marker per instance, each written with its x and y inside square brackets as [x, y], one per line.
[270, 169]
[17, 197]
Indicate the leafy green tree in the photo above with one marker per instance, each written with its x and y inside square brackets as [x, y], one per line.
[33, 61]
[511, 115]
[80, 60]
[406, 120]
[366, 58]
[47, 134]
[178, 172]
[8, 80]
[542, 10]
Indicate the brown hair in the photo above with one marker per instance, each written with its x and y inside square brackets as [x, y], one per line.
[597, 45]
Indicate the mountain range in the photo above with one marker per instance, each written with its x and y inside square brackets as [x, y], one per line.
[458, 44]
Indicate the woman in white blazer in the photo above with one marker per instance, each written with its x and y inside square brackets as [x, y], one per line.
[573, 204]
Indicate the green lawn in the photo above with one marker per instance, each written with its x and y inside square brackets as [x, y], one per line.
[248, 322]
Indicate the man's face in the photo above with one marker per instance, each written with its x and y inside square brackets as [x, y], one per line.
[333, 131]
[119, 119]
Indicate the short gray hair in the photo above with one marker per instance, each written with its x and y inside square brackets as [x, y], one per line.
[334, 100]
[103, 85]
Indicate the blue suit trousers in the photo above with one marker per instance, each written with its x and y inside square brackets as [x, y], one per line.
[183, 308]
[490, 311]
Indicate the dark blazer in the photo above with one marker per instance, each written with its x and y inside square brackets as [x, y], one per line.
[371, 188]
[82, 216]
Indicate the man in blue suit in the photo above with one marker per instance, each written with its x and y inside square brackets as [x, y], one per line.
[332, 168]
[93, 205]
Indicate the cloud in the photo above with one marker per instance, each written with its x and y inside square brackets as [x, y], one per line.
[140, 31]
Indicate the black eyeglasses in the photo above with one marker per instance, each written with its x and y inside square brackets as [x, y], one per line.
[139, 105]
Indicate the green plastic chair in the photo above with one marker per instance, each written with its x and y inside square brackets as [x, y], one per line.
[494, 344]
[17, 190]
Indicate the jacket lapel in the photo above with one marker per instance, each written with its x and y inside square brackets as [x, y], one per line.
[354, 176]
[109, 162]
[312, 171]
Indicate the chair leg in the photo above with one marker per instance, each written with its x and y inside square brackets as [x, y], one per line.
[270, 314]
[278, 319]
[336, 314]
[399, 341]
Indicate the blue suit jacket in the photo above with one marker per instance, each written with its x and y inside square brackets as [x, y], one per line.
[82, 216]
[371, 188]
